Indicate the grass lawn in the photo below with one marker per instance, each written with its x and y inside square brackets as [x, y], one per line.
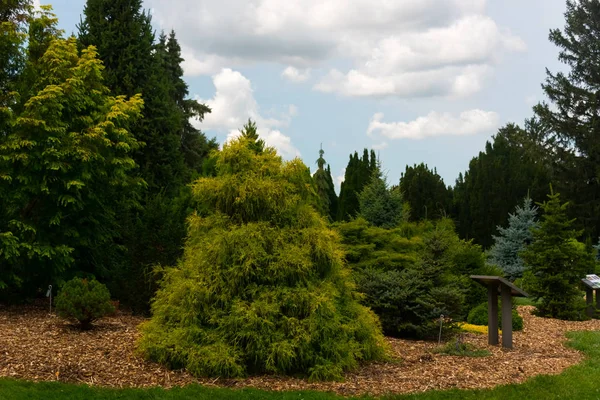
[579, 382]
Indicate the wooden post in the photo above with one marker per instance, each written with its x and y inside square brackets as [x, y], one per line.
[597, 299]
[506, 317]
[589, 299]
[493, 314]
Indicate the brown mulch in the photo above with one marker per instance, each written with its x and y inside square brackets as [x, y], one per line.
[38, 346]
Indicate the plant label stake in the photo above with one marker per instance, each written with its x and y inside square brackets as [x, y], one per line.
[49, 294]
[441, 322]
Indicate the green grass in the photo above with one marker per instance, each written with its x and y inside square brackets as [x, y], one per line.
[580, 382]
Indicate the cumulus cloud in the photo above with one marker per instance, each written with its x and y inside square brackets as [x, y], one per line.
[434, 124]
[295, 75]
[399, 48]
[232, 105]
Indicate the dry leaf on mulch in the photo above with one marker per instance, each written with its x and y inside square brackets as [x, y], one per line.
[37, 346]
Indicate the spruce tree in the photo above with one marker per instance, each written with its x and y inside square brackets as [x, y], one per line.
[514, 239]
[556, 263]
[380, 205]
[262, 286]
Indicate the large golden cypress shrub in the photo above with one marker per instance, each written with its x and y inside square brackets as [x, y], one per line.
[262, 286]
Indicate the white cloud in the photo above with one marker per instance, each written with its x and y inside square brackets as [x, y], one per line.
[434, 124]
[339, 179]
[232, 105]
[400, 48]
[379, 146]
[295, 75]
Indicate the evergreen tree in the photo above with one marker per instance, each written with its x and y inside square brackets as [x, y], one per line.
[333, 199]
[324, 186]
[514, 239]
[556, 263]
[357, 176]
[512, 166]
[194, 144]
[250, 132]
[425, 192]
[574, 121]
[262, 286]
[380, 205]
[597, 248]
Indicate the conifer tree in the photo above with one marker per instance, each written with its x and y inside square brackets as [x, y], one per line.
[573, 121]
[323, 185]
[358, 174]
[556, 263]
[250, 132]
[513, 164]
[425, 192]
[333, 198]
[380, 205]
[514, 239]
[262, 286]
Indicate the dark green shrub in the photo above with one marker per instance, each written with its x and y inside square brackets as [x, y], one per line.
[83, 300]
[479, 316]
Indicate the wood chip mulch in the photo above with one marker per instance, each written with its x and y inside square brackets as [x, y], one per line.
[39, 346]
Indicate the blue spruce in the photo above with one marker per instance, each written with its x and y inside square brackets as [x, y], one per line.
[514, 239]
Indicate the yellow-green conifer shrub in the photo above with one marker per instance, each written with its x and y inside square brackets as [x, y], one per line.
[262, 287]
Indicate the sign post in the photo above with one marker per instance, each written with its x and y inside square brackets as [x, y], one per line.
[507, 291]
[591, 284]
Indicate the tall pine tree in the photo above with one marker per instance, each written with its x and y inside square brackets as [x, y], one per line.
[574, 119]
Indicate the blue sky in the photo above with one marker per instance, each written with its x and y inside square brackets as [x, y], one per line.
[417, 80]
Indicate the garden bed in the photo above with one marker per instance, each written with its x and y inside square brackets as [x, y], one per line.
[37, 346]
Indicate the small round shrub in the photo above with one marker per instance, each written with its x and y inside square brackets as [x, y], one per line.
[83, 300]
[479, 316]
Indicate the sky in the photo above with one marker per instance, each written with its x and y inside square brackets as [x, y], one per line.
[416, 80]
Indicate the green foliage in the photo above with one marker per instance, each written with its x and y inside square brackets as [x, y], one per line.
[556, 263]
[262, 286]
[479, 316]
[325, 190]
[461, 349]
[571, 122]
[513, 240]
[358, 174]
[380, 205]
[83, 300]
[66, 167]
[412, 274]
[514, 165]
[250, 132]
[425, 192]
